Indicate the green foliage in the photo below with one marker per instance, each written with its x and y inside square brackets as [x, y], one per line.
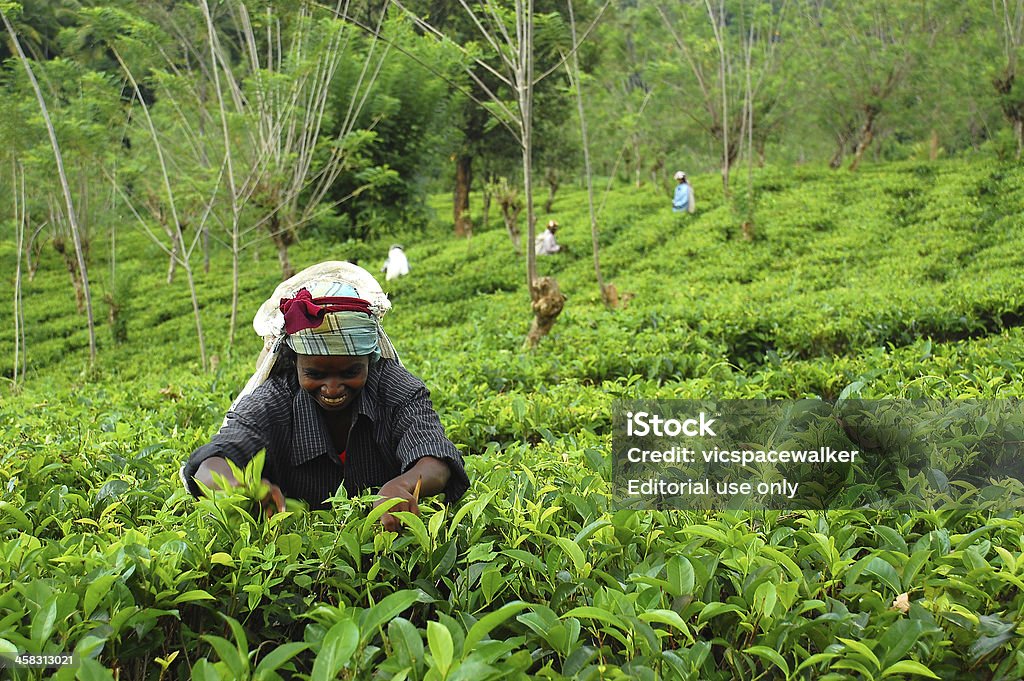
[899, 282]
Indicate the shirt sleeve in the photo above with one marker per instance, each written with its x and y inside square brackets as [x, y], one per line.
[238, 440]
[419, 433]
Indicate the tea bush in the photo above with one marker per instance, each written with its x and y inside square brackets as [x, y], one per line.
[900, 281]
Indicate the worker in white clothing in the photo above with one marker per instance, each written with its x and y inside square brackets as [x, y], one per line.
[546, 243]
[397, 264]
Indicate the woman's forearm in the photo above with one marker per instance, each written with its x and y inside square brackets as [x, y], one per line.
[433, 474]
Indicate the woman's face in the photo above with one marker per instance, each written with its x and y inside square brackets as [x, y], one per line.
[334, 381]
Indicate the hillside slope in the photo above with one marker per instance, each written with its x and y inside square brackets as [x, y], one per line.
[899, 281]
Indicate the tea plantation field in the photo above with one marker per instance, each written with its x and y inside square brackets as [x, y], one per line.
[900, 281]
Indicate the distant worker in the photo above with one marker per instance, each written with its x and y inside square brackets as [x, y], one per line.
[682, 200]
[546, 243]
[397, 264]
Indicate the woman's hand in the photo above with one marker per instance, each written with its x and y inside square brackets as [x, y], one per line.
[427, 477]
[216, 468]
[399, 488]
[273, 501]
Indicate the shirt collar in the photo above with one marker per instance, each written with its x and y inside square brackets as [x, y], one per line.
[309, 431]
[310, 437]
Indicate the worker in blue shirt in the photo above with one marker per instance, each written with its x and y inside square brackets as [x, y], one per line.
[682, 199]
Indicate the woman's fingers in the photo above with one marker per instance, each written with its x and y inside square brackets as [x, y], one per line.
[407, 503]
[273, 502]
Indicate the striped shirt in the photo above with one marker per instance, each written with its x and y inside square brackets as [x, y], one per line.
[394, 426]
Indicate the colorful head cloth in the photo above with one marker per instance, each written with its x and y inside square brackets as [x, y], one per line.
[333, 308]
[329, 318]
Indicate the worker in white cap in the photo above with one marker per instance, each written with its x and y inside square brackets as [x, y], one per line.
[545, 244]
[682, 199]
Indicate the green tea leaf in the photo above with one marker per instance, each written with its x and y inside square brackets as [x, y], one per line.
[862, 650]
[17, 518]
[715, 609]
[441, 647]
[229, 655]
[488, 622]
[765, 598]
[43, 622]
[909, 667]
[194, 595]
[668, 617]
[387, 609]
[599, 614]
[95, 592]
[336, 649]
[771, 655]
[276, 658]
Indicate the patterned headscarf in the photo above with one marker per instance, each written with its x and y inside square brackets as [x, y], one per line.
[329, 318]
[333, 308]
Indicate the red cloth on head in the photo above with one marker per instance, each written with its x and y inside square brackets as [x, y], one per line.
[303, 311]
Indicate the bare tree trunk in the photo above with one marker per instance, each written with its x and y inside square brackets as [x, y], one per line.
[195, 310]
[608, 293]
[175, 244]
[72, 267]
[837, 158]
[511, 207]
[175, 222]
[232, 185]
[463, 182]
[72, 219]
[282, 238]
[1013, 109]
[551, 176]
[113, 242]
[547, 302]
[234, 288]
[206, 162]
[487, 194]
[657, 169]
[544, 309]
[1018, 131]
[867, 133]
[20, 218]
[637, 161]
[722, 81]
[747, 226]
[287, 271]
[34, 251]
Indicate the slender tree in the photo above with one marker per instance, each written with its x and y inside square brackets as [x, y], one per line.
[20, 221]
[62, 176]
[178, 251]
[507, 34]
[575, 77]
[717, 76]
